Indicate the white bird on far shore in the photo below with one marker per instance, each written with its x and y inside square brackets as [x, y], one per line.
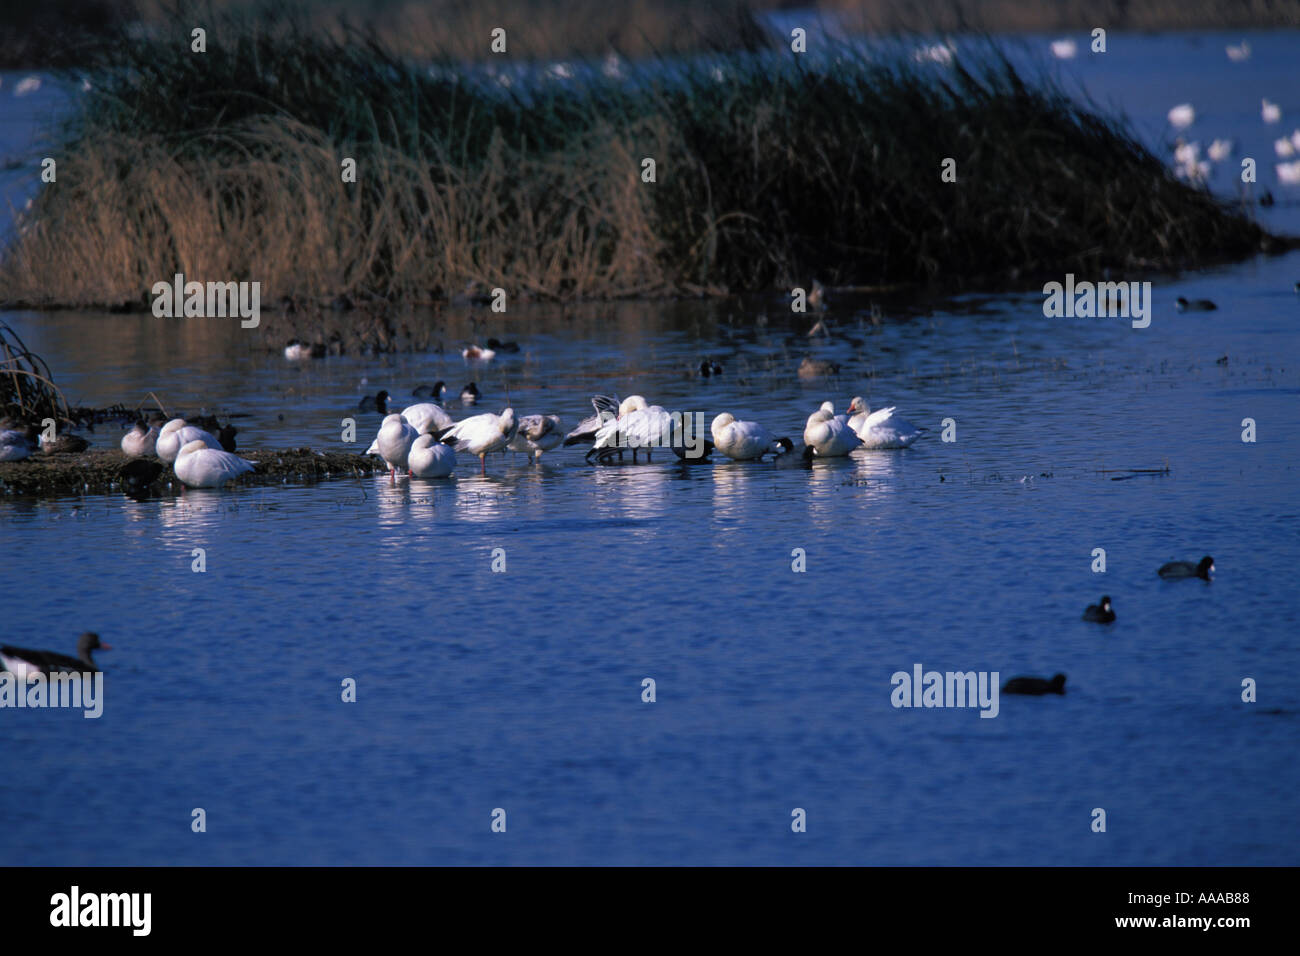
[1182, 115]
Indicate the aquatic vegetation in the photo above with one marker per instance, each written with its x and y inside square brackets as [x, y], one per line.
[769, 168]
[27, 389]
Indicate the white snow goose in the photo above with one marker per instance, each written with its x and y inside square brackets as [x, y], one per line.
[881, 428]
[482, 434]
[199, 466]
[745, 441]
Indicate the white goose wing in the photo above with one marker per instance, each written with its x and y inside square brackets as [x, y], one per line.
[878, 417]
[646, 428]
[427, 417]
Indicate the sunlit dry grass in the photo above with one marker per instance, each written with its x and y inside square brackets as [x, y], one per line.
[769, 173]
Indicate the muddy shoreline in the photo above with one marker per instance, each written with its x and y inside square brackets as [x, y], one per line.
[98, 471]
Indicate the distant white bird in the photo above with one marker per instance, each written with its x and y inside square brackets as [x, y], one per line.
[941, 53]
[1271, 112]
[427, 417]
[476, 353]
[140, 441]
[1220, 150]
[430, 458]
[1289, 173]
[28, 84]
[482, 434]
[829, 435]
[176, 434]
[612, 67]
[745, 441]
[1064, 49]
[199, 466]
[1182, 116]
[881, 428]
[536, 434]
[394, 441]
[1186, 154]
[297, 351]
[1283, 147]
[1239, 53]
[638, 426]
[1194, 172]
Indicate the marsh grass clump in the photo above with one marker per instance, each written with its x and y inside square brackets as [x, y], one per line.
[27, 389]
[770, 169]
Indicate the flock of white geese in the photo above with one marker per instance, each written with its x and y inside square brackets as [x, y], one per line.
[423, 441]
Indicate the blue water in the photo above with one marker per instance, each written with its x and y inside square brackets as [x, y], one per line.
[522, 689]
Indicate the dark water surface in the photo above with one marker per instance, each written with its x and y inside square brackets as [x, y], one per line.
[522, 689]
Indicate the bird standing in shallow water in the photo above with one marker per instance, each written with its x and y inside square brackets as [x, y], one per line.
[482, 434]
[536, 434]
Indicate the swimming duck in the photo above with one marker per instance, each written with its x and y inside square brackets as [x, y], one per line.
[1177, 570]
[1194, 305]
[470, 394]
[1035, 686]
[811, 368]
[25, 664]
[375, 403]
[493, 344]
[476, 354]
[434, 391]
[1101, 612]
